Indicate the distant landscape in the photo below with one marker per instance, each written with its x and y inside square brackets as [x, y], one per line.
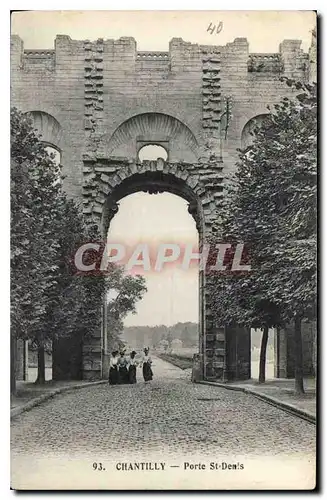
[187, 333]
[156, 336]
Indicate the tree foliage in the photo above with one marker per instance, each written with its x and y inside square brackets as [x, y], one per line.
[34, 212]
[271, 207]
[48, 298]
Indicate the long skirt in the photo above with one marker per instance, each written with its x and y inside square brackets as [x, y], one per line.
[132, 374]
[113, 376]
[147, 372]
[123, 375]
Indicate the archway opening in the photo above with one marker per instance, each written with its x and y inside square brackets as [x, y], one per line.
[167, 317]
[152, 152]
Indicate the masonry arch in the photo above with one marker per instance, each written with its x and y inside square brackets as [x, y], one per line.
[249, 127]
[154, 128]
[154, 181]
[155, 177]
[223, 353]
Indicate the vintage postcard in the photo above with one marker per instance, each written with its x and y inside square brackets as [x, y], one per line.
[163, 250]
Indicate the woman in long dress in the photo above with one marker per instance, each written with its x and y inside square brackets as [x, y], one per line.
[147, 362]
[122, 368]
[113, 368]
[132, 368]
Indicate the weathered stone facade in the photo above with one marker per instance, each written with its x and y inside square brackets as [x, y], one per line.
[99, 102]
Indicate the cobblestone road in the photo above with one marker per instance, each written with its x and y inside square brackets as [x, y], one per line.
[169, 414]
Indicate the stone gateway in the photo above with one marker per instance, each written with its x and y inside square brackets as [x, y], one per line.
[97, 104]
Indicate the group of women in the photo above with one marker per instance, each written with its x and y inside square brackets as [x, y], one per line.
[122, 368]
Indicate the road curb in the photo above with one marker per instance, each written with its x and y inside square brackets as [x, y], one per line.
[305, 415]
[14, 412]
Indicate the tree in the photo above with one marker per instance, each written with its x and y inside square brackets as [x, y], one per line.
[49, 298]
[34, 191]
[76, 311]
[184, 336]
[237, 300]
[169, 339]
[273, 200]
[292, 157]
[130, 290]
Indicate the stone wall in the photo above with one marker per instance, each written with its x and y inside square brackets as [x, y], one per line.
[284, 350]
[99, 102]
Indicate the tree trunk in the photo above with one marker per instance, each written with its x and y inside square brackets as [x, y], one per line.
[263, 351]
[13, 347]
[299, 388]
[40, 363]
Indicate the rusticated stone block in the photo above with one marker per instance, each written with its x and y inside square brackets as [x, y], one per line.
[89, 123]
[160, 164]
[193, 181]
[87, 209]
[105, 178]
[97, 208]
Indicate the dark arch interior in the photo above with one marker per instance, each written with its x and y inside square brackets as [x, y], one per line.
[152, 183]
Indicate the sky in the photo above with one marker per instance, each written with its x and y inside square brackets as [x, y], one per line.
[172, 295]
[154, 29]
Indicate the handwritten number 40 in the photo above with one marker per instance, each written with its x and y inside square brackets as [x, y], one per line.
[215, 29]
[98, 466]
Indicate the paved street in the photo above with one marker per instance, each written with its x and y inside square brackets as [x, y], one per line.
[168, 414]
